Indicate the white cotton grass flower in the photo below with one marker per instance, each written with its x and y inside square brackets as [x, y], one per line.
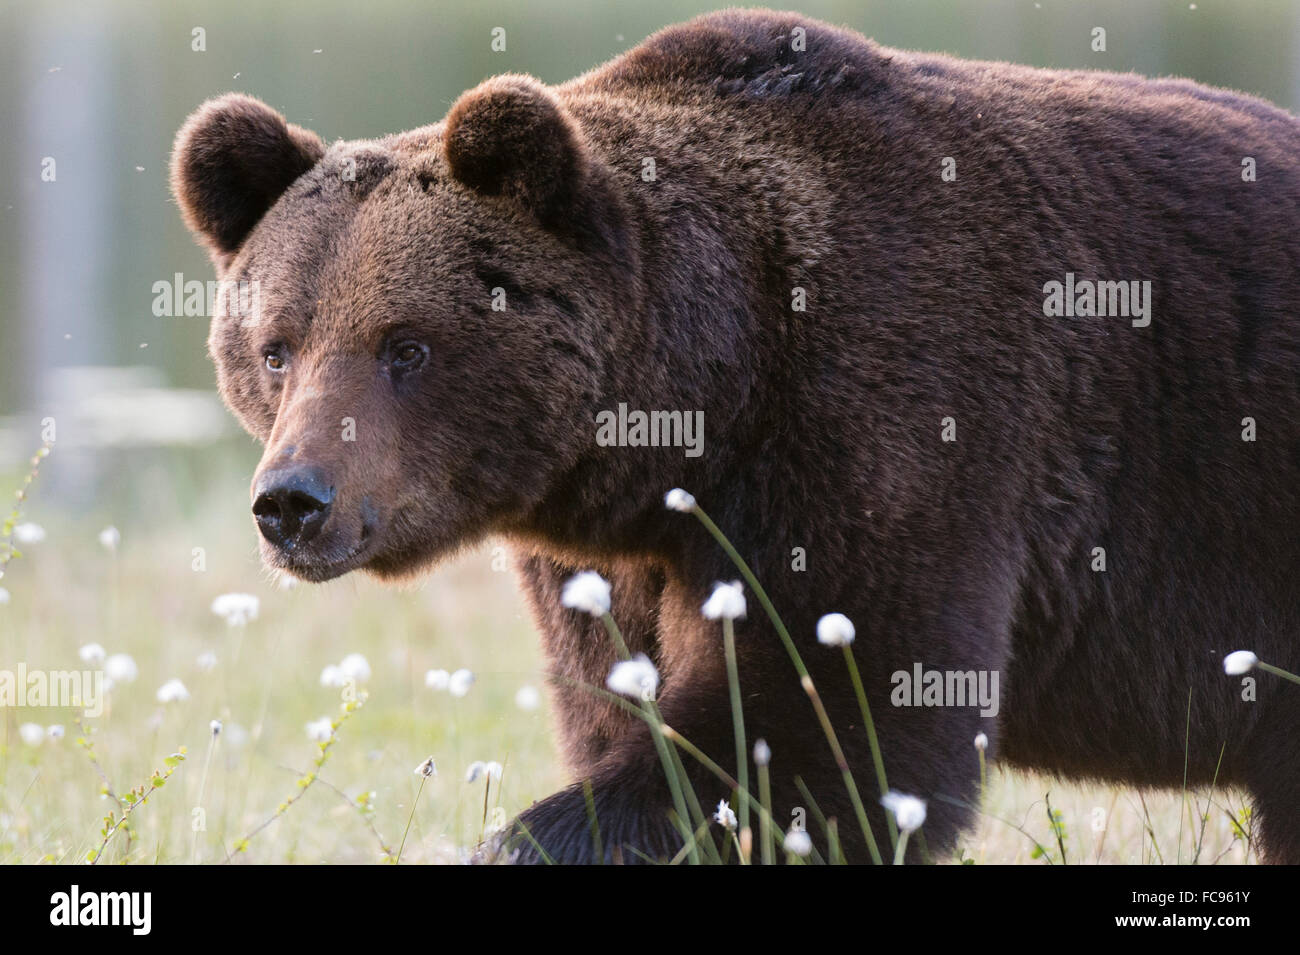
[121, 668]
[234, 734]
[458, 683]
[798, 842]
[835, 630]
[236, 609]
[762, 753]
[355, 667]
[909, 811]
[4, 596]
[475, 770]
[427, 768]
[981, 742]
[215, 727]
[173, 691]
[55, 732]
[109, 538]
[636, 677]
[588, 592]
[725, 816]
[29, 533]
[92, 653]
[528, 698]
[333, 676]
[437, 679]
[207, 661]
[679, 500]
[727, 602]
[493, 770]
[320, 730]
[32, 734]
[1239, 662]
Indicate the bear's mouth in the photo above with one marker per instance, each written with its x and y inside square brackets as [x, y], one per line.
[317, 570]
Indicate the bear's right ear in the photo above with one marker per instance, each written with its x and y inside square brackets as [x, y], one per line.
[510, 136]
[233, 158]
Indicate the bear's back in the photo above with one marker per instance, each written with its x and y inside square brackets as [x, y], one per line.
[756, 53]
[761, 55]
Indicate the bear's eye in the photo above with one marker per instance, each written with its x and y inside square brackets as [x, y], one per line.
[408, 356]
[274, 361]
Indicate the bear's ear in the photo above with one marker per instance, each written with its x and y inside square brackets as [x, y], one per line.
[510, 136]
[233, 158]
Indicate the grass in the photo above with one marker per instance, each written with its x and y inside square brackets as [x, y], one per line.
[268, 792]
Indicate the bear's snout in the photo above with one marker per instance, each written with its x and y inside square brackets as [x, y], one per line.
[291, 505]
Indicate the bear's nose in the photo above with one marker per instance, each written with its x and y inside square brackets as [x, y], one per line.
[291, 505]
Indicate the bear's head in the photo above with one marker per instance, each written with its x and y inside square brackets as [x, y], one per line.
[416, 328]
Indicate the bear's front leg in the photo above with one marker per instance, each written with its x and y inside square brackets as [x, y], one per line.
[957, 627]
[633, 824]
[579, 652]
[630, 818]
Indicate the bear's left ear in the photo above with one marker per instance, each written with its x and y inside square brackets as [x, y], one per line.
[233, 158]
[510, 136]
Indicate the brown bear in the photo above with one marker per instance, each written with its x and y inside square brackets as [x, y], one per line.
[1002, 363]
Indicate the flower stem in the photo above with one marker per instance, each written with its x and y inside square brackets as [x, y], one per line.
[671, 767]
[737, 719]
[745, 796]
[414, 803]
[804, 679]
[203, 786]
[765, 836]
[876, 758]
[1278, 671]
[900, 849]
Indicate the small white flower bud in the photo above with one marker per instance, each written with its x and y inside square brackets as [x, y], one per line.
[679, 500]
[91, 653]
[458, 683]
[727, 602]
[725, 816]
[1239, 662]
[588, 592]
[355, 667]
[636, 677]
[528, 698]
[173, 691]
[798, 842]
[909, 812]
[236, 609]
[835, 630]
[31, 734]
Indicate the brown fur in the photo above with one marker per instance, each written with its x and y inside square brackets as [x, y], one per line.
[817, 169]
